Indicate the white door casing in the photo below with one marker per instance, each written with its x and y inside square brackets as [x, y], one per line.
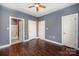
[70, 30]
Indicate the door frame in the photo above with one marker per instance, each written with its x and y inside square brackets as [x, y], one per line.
[28, 29]
[10, 18]
[39, 30]
[76, 30]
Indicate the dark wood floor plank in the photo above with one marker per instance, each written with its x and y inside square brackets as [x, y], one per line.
[38, 47]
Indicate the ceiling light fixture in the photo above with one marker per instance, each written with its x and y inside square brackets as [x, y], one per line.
[37, 6]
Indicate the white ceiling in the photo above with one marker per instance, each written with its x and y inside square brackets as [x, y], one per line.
[50, 7]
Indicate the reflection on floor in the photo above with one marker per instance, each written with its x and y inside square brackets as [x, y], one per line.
[38, 47]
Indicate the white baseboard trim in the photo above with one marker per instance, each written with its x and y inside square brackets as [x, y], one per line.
[4, 46]
[52, 41]
[56, 43]
[7, 45]
[27, 40]
[16, 43]
[30, 39]
[37, 37]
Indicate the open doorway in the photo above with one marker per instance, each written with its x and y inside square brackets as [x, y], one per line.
[16, 30]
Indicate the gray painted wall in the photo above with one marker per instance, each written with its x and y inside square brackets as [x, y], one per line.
[53, 22]
[4, 23]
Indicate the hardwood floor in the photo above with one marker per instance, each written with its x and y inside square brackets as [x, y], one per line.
[37, 47]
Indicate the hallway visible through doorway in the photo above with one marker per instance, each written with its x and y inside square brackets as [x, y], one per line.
[16, 29]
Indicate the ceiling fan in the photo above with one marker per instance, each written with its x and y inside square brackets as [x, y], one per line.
[37, 6]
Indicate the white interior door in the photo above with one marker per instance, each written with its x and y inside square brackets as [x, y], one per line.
[41, 29]
[32, 29]
[69, 30]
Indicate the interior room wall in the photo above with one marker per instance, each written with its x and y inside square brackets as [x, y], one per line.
[53, 23]
[53, 26]
[4, 23]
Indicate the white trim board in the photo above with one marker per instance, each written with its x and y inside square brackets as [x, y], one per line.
[27, 40]
[56, 43]
[52, 41]
[7, 45]
[4, 46]
[30, 39]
